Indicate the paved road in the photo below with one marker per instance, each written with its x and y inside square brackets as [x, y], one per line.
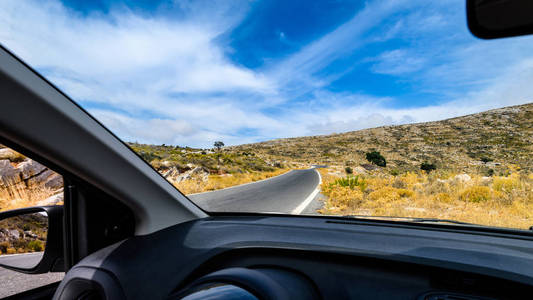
[28, 260]
[286, 193]
[12, 282]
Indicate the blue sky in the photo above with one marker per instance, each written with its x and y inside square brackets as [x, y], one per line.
[192, 72]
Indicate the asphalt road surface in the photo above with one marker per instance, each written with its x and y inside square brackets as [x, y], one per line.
[294, 192]
[12, 282]
[27, 260]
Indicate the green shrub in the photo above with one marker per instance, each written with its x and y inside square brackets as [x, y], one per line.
[148, 156]
[376, 158]
[351, 182]
[476, 194]
[486, 159]
[3, 247]
[348, 170]
[428, 167]
[35, 245]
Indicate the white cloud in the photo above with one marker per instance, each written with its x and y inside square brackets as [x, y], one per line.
[123, 49]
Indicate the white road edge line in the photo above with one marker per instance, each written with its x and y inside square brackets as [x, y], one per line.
[230, 187]
[300, 208]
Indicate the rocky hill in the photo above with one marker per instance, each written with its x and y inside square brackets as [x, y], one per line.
[183, 163]
[494, 140]
[24, 182]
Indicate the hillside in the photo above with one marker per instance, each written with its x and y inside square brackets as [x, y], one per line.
[476, 143]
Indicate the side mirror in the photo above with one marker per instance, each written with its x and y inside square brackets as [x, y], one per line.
[31, 239]
[491, 19]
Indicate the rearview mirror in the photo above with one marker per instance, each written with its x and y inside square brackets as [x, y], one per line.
[31, 239]
[490, 19]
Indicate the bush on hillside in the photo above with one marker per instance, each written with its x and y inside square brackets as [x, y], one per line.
[35, 245]
[148, 156]
[376, 158]
[348, 170]
[428, 167]
[486, 159]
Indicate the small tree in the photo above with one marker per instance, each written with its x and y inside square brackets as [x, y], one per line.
[486, 159]
[376, 158]
[428, 167]
[218, 145]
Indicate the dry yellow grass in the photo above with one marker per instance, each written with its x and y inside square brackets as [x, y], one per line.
[505, 201]
[216, 182]
[19, 196]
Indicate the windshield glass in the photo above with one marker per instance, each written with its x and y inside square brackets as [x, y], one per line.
[356, 108]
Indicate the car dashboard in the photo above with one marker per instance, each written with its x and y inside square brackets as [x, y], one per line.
[284, 257]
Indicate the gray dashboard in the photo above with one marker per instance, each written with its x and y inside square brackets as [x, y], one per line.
[340, 258]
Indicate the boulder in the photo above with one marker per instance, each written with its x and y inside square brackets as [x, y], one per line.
[30, 234]
[6, 153]
[175, 176]
[359, 170]
[54, 182]
[370, 167]
[13, 234]
[171, 173]
[30, 168]
[485, 180]
[48, 179]
[8, 174]
[463, 177]
[166, 163]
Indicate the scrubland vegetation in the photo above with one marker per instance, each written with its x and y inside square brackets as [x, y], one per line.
[221, 161]
[22, 234]
[19, 196]
[505, 201]
[484, 143]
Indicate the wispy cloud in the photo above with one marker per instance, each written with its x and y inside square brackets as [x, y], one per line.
[297, 71]
[397, 62]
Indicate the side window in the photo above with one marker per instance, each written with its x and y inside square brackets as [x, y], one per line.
[25, 183]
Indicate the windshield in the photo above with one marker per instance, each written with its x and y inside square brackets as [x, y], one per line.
[350, 108]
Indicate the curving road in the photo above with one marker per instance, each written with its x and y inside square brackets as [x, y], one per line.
[293, 192]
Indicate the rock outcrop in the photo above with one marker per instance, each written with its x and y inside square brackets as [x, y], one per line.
[29, 173]
[19, 173]
[174, 174]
